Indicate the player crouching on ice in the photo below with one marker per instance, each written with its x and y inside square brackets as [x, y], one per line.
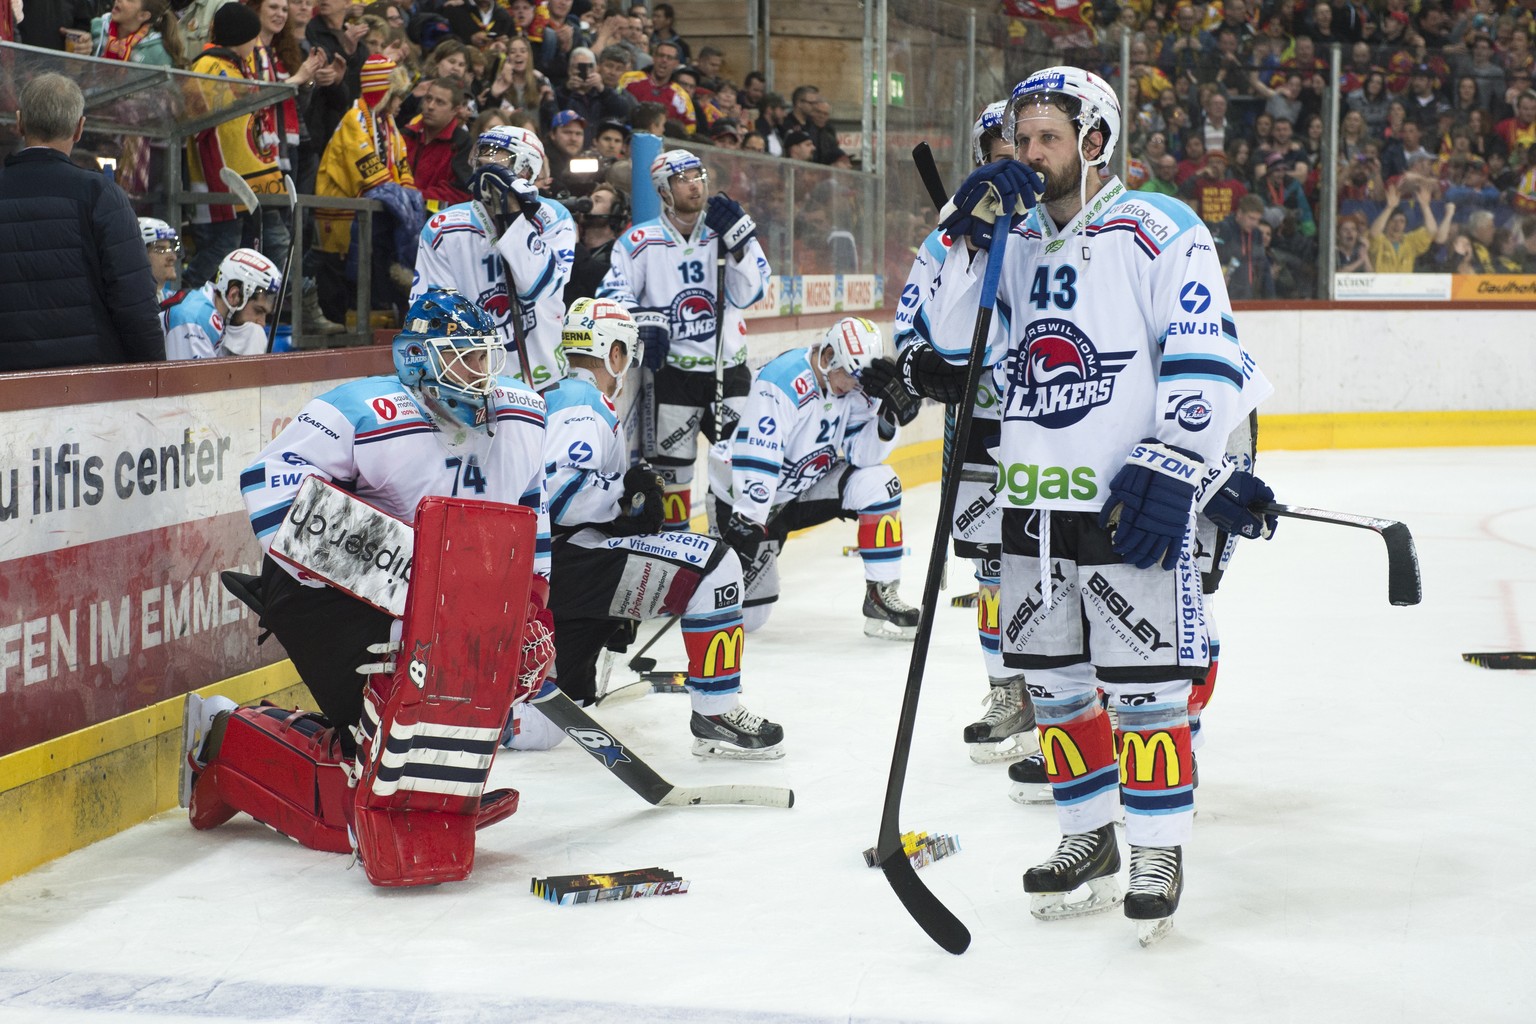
[810, 448]
[395, 765]
[611, 561]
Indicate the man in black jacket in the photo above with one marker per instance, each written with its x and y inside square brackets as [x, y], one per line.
[75, 284]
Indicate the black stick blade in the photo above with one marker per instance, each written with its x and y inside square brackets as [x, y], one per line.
[1502, 659]
[932, 916]
[1403, 584]
[928, 171]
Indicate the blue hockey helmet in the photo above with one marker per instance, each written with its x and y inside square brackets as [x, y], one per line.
[449, 350]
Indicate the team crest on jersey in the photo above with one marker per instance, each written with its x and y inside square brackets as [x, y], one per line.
[496, 302]
[693, 315]
[1057, 377]
[808, 469]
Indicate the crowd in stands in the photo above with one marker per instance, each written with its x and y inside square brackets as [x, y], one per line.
[1436, 156]
[391, 96]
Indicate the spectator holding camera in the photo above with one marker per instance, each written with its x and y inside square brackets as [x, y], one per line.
[477, 22]
[585, 93]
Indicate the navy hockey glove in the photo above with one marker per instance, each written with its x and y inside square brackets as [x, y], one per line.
[655, 335]
[1233, 500]
[925, 372]
[725, 217]
[881, 380]
[504, 193]
[992, 192]
[1149, 503]
[743, 536]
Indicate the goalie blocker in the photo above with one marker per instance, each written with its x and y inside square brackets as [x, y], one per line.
[431, 723]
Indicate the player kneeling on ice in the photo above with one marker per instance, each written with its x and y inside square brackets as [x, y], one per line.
[612, 563]
[811, 448]
[1122, 378]
[399, 755]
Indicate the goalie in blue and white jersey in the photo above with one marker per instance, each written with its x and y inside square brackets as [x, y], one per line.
[613, 564]
[811, 447]
[508, 233]
[665, 272]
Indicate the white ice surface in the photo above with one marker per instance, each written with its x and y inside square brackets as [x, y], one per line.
[1363, 852]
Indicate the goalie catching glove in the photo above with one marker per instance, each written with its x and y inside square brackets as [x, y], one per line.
[735, 227]
[992, 191]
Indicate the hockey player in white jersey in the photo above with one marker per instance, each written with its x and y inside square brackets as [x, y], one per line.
[445, 424]
[1006, 729]
[163, 246]
[228, 315]
[665, 272]
[1117, 355]
[507, 233]
[811, 447]
[611, 562]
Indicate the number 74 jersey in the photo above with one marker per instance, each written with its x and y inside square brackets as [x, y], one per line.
[372, 438]
[1113, 328]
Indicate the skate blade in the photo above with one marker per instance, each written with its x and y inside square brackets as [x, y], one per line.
[1008, 750]
[880, 629]
[1029, 794]
[1149, 933]
[716, 750]
[1103, 895]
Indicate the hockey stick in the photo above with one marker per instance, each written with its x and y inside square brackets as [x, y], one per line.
[641, 777]
[643, 664]
[648, 683]
[931, 915]
[720, 301]
[282, 286]
[1503, 659]
[240, 189]
[1403, 585]
[928, 170]
[514, 299]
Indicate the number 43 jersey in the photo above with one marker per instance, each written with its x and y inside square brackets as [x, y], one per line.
[373, 438]
[1113, 328]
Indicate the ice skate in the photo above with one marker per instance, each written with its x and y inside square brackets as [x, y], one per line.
[196, 726]
[1157, 881]
[1030, 784]
[886, 614]
[1006, 731]
[1082, 858]
[738, 735]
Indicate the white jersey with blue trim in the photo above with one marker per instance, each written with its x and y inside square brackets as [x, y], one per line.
[1113, 328]
[655, 267]
[193, 326]
[790, 435]
[459, 250]
[585, 455]
[915, 295]
[373, 438]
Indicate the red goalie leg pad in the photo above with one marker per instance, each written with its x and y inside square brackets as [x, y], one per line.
[431, 730]
[283, 768]
[677, 507]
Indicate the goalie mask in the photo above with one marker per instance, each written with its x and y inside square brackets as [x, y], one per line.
[517, 149]
[855, 343]
[1085, 98]
[595, 327]
[252, 271]
[450, 353]
[988, 126]
[672, 163]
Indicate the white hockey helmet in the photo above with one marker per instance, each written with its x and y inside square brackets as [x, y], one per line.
[254, 272]
[1092, 104]
[153, 230]
[517, 149]
[855, 343]
[670, 164]
[987, 127]
[594, 326]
